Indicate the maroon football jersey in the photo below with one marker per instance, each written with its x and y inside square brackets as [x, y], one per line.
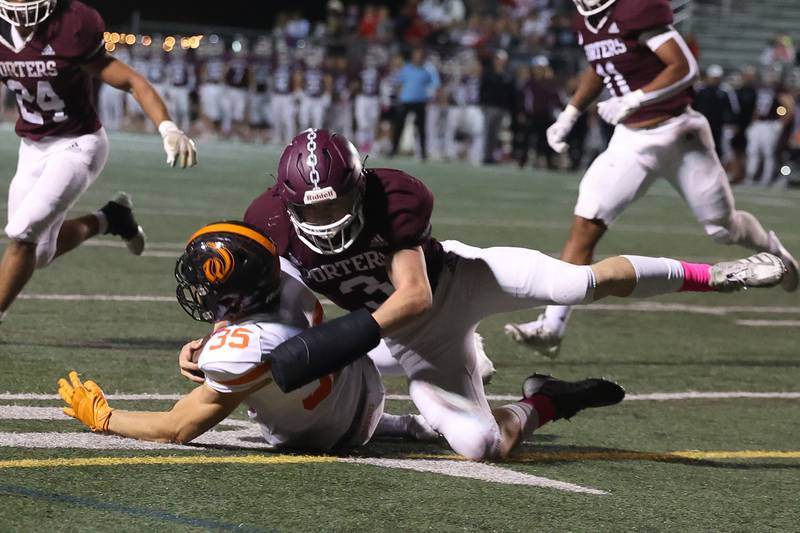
[397, 213]
[54, 95]
[624, 63]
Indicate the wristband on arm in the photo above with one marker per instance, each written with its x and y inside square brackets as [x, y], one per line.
[324, 349]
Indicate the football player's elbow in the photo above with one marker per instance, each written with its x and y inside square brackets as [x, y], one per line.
[183, 435]
[421, 302]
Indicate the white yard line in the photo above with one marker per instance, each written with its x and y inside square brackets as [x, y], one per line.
[654, 396]
[769, 323]
[470, 470]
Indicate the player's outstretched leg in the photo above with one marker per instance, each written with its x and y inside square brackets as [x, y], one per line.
[117, 219]
[545, 399]
[639, 277]
[544, 334]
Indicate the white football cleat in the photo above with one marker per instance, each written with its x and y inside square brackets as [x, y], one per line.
[485, 365]
[759, 270]
[792, 277]
[536, 337]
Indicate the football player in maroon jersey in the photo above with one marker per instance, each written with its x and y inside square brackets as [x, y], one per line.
[362, 237]
[49, 52]
[643, 62]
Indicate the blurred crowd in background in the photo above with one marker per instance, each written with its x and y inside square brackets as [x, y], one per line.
[471, 80]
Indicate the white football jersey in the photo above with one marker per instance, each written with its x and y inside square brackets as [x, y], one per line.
[339, 409]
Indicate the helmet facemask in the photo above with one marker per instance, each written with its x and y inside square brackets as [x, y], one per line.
[588, 8]
[26, 14]
[331, 226]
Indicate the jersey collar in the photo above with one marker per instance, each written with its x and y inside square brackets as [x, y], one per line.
[600, 24]
[7, 39]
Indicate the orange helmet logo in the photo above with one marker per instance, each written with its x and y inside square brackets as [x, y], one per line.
[217, 269]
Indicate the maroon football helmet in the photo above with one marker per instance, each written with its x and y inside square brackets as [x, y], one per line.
[321, 181]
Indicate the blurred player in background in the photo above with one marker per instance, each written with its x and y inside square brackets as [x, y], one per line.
[368, 104]
[774, 108]
[49, 54]
[182, 81]
[157, 71]
[286, 81]
[465, 116]
[260, 111]
[316, 94]
[340, 113]
[211, 90]
[111, 101]
[237, 89]
[140, 60]
[646, 66]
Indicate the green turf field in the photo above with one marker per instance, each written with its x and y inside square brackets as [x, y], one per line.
[116, 322]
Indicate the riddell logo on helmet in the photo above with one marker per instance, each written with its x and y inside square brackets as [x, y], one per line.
[319, 195]
[218, 269]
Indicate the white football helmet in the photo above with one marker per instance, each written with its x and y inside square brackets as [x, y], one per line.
[26, 13]
[592, 7]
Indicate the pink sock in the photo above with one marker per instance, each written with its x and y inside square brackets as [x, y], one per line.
[695, 277]
[543, 406]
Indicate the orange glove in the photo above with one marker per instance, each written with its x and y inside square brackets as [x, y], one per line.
[86, 402]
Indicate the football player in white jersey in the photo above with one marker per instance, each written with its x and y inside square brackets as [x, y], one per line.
[211, 89]
[230, 275]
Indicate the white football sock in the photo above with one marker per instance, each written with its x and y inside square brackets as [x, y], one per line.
[102, 222]
[655, 275]
[2, 316]
[555, 318]
[393, 425]
[527, 416]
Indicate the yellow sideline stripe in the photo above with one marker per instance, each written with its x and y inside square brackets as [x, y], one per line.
[610, 455]
[168, 460]
[614, 455]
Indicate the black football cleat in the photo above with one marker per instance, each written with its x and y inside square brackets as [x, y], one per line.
[569, 397]
[119, 213]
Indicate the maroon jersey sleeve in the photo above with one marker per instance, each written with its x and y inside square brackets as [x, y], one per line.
[88, 27]
[641, 15]
[268, 213]
[409, 205]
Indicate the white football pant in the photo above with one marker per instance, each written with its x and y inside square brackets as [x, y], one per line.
[469, 121]
[312, 111]
[284, 117]
[211, 96]
[111, 104]
[368, 115]
[438, 352]
[179, 106]
[51, 175]
[763, 137]
[680, 150]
